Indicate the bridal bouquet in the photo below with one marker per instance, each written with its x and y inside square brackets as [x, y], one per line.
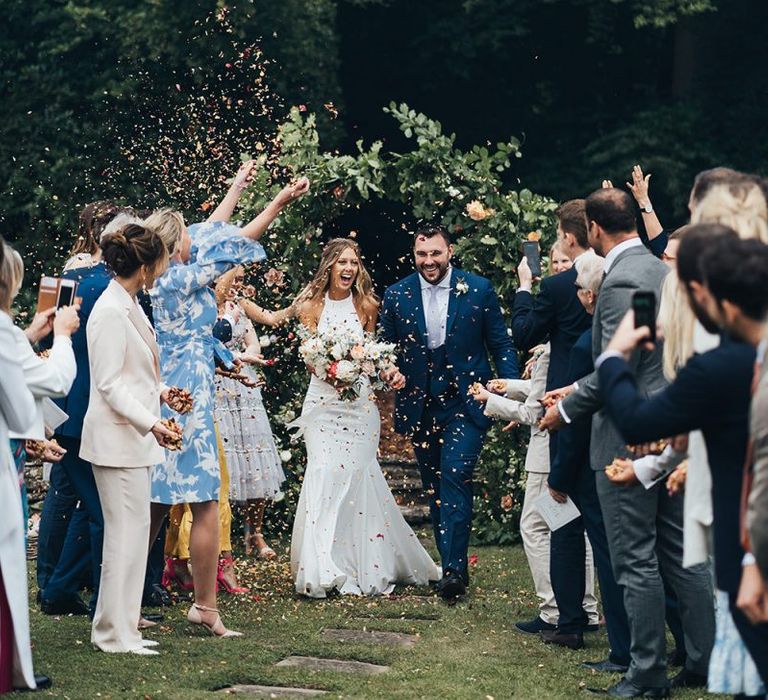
[344, 358]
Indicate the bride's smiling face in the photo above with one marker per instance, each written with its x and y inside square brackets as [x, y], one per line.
[345, 270]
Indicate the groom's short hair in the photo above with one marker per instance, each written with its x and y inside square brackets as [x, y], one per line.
[432, 230]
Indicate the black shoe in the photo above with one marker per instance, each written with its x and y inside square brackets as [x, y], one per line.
[158, 597]
[592, 628]
[71, 606]
[605, 666]
[562, 639]
[42, 682]
[627, 689]
[688, 679]
[677, 658]
[153, 617]
[451, 587]
[535, 626]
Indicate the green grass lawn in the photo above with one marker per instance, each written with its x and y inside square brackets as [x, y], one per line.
[470, 650]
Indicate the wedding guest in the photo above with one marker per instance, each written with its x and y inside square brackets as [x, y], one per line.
[711, 393]
[17, 412]
[651, 521]
[45, 378]
[93, 219]
[558, 260]
[555, 314]
[571, 475]
[256, 473]
[521, 402]
[122, 432]
[70, 538]
[185, 311]
[653, 234]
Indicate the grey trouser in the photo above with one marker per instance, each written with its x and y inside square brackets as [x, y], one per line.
[645, 538]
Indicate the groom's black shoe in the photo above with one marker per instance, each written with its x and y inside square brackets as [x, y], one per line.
[451, 587]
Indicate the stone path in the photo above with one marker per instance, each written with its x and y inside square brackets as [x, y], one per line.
[274, 691]
[396, 639]
[313, 663]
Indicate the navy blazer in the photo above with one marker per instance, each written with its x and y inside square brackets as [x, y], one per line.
[474, 328]
[711, 393]
[573, 440]
[555, 314]
[92, 282]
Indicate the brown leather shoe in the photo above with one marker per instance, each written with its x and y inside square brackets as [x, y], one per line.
[563, 639]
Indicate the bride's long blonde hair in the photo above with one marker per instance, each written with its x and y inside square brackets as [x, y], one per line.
[362, 290]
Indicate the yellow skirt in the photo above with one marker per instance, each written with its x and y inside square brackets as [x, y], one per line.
[180, 517]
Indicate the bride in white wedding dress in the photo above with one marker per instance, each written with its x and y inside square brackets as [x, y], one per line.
[349, 534]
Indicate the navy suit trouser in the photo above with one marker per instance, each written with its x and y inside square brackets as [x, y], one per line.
[64, 582]
[447, 445]
[59, 513]
[567, 570]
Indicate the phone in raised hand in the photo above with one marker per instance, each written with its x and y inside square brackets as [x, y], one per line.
[533, 256]
[644, 306]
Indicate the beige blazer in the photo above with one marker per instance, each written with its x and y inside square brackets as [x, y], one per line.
[522, 405]
[124, 402]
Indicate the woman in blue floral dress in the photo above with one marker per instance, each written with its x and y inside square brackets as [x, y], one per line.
[184, 307]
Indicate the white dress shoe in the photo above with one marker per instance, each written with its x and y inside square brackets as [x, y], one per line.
[149, 643]
[143, 651]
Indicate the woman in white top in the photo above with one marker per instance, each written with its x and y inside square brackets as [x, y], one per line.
[122, 433]
[17, 412]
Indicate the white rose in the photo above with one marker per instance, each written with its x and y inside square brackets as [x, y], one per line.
[286, 455]
[264, 341]
[346, 371]
[337, 351]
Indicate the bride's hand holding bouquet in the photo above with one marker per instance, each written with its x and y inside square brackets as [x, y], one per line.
[345, 358]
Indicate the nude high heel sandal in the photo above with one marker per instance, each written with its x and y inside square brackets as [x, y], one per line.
[217, 629]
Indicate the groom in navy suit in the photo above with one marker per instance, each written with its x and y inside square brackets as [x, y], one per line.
[445, 322]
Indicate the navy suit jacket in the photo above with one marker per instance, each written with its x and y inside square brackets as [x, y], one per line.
[555, 314]
[711, 393]
[573, 440]
[474, 328]
[92, 282]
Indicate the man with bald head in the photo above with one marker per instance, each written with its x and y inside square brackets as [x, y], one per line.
[644, 526]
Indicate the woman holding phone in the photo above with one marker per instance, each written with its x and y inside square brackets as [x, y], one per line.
[122, 432]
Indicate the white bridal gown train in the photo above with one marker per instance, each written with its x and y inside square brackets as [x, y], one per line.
[349, 533]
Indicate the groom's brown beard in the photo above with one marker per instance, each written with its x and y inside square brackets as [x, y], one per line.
[441, 269]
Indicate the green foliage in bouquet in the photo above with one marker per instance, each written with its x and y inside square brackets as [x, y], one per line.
[434, 181]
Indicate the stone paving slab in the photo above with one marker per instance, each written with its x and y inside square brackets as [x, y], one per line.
[274, 691]
[312, 663]
[396, 639]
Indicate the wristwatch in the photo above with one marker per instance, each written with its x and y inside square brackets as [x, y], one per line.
[648, 208]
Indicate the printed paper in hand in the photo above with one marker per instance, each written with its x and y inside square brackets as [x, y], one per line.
[555, 514]
[53, 416]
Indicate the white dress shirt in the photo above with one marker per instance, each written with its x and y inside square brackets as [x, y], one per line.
[618, 250]
[443, 295]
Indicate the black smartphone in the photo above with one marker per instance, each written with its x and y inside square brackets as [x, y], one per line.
[644, 306]
[532, 255]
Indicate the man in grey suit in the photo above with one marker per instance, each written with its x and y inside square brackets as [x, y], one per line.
[644, 527]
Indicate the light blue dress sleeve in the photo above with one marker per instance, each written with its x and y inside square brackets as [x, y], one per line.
[216, 247]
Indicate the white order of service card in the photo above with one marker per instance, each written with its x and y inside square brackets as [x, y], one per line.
[555, 514]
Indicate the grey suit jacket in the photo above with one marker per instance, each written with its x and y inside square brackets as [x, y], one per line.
[634, 269]
[757, 513]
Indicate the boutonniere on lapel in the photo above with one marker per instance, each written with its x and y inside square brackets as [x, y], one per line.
[461, 286]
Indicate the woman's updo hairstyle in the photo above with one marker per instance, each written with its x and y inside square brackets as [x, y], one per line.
[169, 225]
[133, 247]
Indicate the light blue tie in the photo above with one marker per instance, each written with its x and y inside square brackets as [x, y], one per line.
[433, 319]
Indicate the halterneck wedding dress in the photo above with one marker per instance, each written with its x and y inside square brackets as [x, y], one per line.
[349, 534]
